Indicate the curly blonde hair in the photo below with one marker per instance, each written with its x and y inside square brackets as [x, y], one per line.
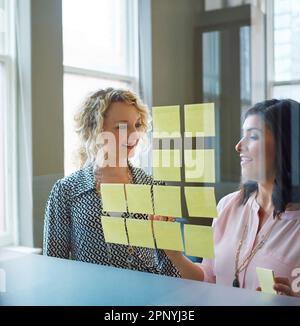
[91, 114]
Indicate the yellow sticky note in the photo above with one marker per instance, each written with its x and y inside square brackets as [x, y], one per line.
[266, 279]
[198, 241]
[113, 197]
[168, 235]
[167, 201]
[201, 201]
[199, 165]
[114, 230]
[140, 233]
[166, 121]
[139, 198]
[200, 120]
[166, 165]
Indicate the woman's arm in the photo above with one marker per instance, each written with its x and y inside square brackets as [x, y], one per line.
[283, 287]
[57, 228]
[186, 268]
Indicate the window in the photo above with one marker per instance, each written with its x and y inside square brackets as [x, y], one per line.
[2, 181]
[286, 22]
[7, 125]
[100, 50]
[220, 4]
[2, 26]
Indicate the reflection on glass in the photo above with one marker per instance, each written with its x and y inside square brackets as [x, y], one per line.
[2, 26]
[219, 4]
[287, 91]
[76, 88]
[211, 66]
[2, 184]
[229, 99]
[245, 39]
[212, 5]
[287, 39]
[94, 36]
[212, 83]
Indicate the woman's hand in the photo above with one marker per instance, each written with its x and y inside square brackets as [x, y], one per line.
[169, 253]
[161, 218]
[282, 286]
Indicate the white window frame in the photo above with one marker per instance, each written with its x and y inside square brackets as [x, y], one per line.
[10, 236]
[101, 75]
[132, 56]
[270, 54]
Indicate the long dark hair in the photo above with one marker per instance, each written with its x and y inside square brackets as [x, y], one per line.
[282, 117]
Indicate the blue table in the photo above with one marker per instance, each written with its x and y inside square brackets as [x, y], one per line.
[40, 280]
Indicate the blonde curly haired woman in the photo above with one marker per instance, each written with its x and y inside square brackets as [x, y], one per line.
[73, 226]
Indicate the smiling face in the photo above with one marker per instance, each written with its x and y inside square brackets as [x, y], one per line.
[123, 122]
[257, 151]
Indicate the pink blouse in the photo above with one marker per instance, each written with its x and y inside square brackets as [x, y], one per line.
[280, 252]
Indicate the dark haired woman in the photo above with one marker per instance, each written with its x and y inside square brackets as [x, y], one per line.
[259, 226]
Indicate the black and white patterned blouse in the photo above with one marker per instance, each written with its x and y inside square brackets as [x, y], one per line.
[73, 227]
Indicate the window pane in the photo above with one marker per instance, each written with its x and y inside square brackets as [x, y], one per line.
[94, 36]
[212, 5]
[245, 48]
[287, 91]
[2, 184]
[211, 66]
[2, 26]
[76, 88]
[287, 39]
[219, 4]
[212, 79]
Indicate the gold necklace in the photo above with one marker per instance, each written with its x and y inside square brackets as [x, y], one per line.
[245, 263]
